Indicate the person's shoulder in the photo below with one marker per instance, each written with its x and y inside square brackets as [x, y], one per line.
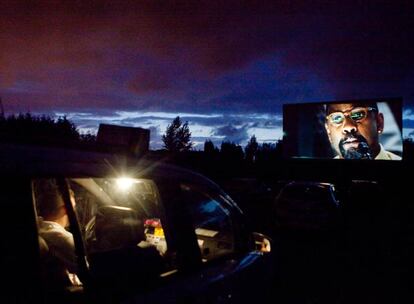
[56, 235]
[48, 226]
[393, 156]
[387, 155]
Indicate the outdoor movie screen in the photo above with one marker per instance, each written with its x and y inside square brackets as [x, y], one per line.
[352, 129]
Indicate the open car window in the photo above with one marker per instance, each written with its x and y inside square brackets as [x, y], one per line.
[112, 209]
[122, 226]
[212, 222]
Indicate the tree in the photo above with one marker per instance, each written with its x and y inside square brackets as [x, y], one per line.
[209, 147]
[177, 137]
[27, 128]
[231, 152]
[251, 149]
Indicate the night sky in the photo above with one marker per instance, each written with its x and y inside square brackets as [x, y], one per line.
[224, 67]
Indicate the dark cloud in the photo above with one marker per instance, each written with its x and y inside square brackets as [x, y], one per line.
[144, 84]
[232, 133]
[221, 57]
[253, 121]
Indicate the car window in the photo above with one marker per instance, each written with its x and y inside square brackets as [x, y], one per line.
[212, 222]
[121, 222]
[56, 242]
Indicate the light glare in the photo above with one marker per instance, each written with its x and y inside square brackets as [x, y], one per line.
[124, 183]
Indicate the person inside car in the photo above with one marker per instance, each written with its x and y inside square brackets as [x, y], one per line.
[61, 261]
[353, 130]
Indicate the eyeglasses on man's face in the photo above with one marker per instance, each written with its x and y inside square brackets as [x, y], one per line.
[356, 115]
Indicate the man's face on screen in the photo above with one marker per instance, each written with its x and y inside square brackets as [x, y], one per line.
[353, 130]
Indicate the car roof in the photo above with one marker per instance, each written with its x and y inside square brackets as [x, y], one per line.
[37, 161]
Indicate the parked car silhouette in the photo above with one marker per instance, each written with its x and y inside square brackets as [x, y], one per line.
[144, 232]
[305, 206]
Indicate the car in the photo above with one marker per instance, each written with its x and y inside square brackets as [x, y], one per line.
[202, 249]
[305, 230]
[306, 205]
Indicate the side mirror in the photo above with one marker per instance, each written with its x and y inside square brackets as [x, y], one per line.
[262, 242]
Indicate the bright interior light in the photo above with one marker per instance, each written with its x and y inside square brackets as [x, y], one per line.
[124, 183]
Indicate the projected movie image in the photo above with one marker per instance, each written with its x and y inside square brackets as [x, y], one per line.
[357, 129]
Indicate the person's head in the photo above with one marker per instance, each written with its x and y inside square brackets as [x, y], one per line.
[49, 201]
[353, 129]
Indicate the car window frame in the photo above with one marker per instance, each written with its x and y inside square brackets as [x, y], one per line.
[169, 236]
[241, 242]
[182, 234]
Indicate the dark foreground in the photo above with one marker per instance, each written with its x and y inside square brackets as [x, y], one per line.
[365, 257]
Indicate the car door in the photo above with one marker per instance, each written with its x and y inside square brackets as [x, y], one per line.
[19, 245]
[120, 247]
[209, 256]
[229, 268]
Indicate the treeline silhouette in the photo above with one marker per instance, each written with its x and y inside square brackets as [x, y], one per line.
[44, 130]
[228, 160]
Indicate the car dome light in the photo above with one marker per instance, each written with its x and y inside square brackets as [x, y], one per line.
[124, 183]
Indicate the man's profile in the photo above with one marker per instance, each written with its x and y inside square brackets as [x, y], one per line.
[354, 130]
